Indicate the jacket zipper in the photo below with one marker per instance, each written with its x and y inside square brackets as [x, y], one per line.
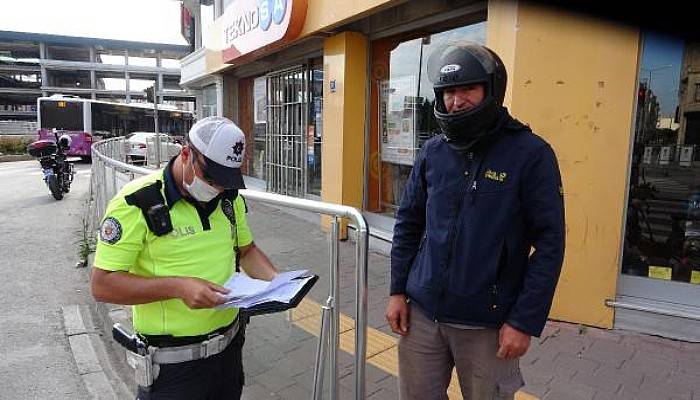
[462, 192]
[422, 241]
[494, 294]
[474, 192]
[494, 286]
[453, 228]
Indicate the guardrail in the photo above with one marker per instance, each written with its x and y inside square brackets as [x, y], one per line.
[108, 175]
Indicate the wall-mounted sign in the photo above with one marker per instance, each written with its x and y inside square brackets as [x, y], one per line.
[186, 24]
[260, 100]
[398, 119]
[249, 25]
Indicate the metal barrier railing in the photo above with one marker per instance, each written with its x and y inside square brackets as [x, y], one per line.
[105, 184]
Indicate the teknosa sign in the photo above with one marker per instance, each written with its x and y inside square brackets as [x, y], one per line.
[249, 25]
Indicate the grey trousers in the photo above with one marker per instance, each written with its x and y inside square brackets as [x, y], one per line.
[431, 350]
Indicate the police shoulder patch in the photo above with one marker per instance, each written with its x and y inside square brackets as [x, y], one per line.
[111, 230]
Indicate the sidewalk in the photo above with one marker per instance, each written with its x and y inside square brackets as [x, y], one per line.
[568, 362]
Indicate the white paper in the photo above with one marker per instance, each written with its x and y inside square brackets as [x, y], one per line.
[247, 292]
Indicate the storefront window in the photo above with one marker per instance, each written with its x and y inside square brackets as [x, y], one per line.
[257, 165]
[662, 236]
[208, 101]
[315, 131]
[403, 99]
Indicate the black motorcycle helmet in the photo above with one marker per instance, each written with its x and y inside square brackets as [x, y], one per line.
[64, 142]
[463, 63]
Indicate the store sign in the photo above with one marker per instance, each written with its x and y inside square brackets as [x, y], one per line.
[249, 25]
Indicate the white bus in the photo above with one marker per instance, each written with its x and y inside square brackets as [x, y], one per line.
[87, 120]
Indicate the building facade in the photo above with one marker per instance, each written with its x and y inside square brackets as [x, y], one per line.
[336, 103]
[34, 65]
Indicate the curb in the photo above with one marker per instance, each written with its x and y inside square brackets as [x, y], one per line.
[16, 157]
[101, 362]
[107, 315]
[84, 345]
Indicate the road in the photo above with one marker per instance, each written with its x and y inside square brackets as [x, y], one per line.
[39, 276]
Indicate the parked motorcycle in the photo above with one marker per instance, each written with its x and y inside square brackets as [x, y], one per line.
[58, 172]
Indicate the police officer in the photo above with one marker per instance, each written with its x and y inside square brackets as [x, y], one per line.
[167, 244]
[466, 292]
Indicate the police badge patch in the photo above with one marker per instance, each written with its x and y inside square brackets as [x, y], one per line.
[110, 231]
[227, 208]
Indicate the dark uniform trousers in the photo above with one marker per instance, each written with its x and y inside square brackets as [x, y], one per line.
[219, 377]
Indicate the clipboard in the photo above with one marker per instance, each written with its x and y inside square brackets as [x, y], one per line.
[270, 307]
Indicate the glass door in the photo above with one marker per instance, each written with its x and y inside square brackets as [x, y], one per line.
[402, 100]
[661, 251]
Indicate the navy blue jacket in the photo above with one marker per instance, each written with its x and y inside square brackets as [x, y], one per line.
[467, 223]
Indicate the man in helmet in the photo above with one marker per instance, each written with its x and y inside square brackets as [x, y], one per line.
[167, 244]
[466, 290]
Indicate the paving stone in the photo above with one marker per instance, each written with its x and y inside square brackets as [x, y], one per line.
[609, 384]
[305, 380]
[304, 356]
[601, 395]
[576, 363]
[537, 390]
[569, 394]
[651, 365]
[625, 376]
[683, 379]
[566, 389]
[610, 353]
[253, 367]
[295, 392]
[270, 354]
[664, 387]
[636, 393]
[258, 392]
[689, 366]
[538, 376]
[275, 379]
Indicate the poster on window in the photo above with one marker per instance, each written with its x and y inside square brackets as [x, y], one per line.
[399, 108]
[260, 100]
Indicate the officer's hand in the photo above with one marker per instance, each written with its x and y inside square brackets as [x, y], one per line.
[200, 293]
[397, 314]
[512, 343]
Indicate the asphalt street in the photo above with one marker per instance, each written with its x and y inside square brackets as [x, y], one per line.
[39, 276]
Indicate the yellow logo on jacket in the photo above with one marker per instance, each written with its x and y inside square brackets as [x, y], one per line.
[495, 176]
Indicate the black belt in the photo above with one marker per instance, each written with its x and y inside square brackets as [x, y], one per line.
[176, 341]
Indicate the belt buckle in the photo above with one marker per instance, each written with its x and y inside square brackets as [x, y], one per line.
[212, 346]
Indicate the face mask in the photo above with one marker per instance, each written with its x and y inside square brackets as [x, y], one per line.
[199, 189]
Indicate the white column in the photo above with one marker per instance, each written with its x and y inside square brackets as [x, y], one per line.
[126, 75]
[43, 55]
[198, 107]
[197, 14]
[159, 77]
[93, 74]
[219, 95]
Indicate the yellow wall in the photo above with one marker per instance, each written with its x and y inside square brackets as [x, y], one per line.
[324, 14]
[345, 61]
[572, 79]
